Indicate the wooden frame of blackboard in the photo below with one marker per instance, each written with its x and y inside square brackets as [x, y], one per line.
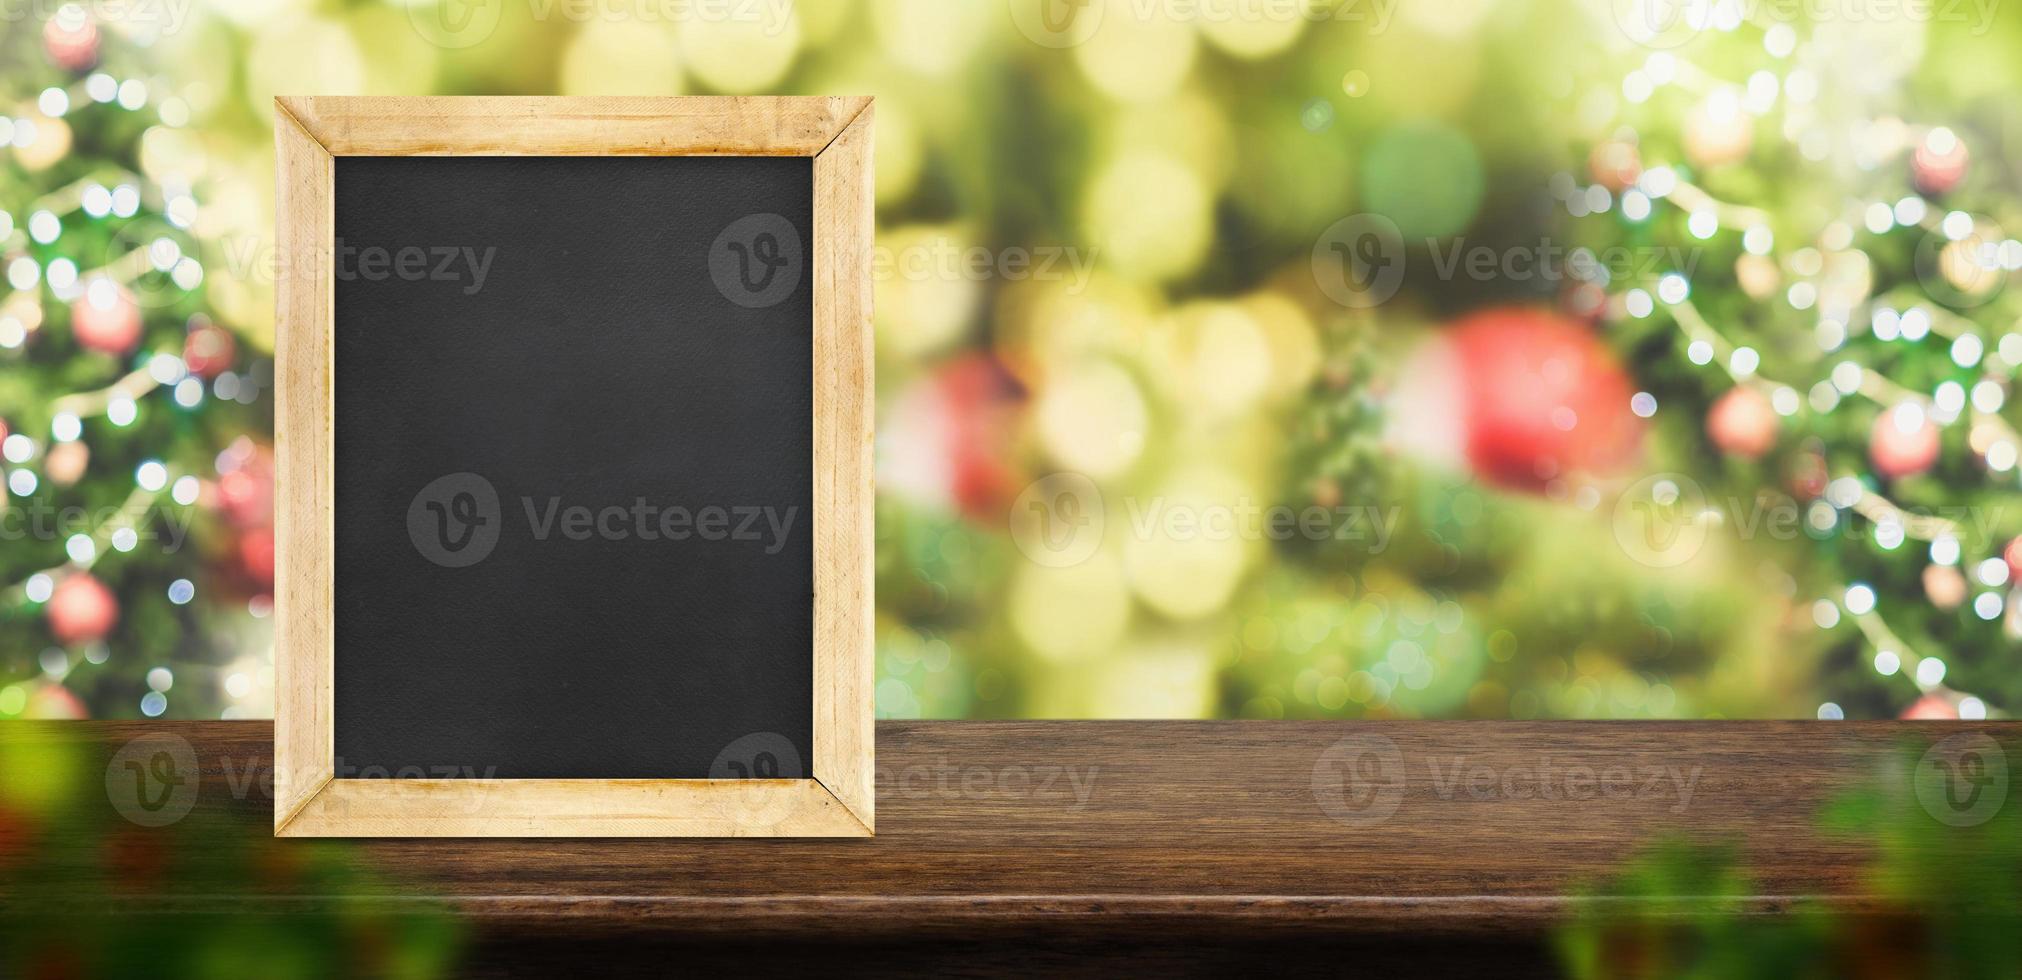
[837, 799]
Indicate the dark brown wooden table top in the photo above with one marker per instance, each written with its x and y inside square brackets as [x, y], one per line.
[1237, 827]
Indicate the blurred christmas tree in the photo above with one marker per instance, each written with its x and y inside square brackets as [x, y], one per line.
[1817, 319]
[137, 516]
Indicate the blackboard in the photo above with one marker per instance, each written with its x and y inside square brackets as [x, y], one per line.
[573, 445]
[568, 352]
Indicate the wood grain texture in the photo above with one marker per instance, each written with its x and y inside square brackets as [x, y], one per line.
[1148, 828]
[575, 808]
[574, 125]
[845, 493]
[304, 466]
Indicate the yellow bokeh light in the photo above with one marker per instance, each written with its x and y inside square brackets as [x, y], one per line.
[1150, 216]
[618, 57]
[1294, 344]
[741, 55]
[1043, 326]
[927, 287]
[1137, 53]
[900, 151]
[52, 142]
[1248, 29]
[1424, 73]
[1231, 363]
[933, 37]
[1187, 543]
[1451, 18]
[1189, 126]
[1160, 679]
[398, 60]
[302, 55]
[1093, 420]
[1074, 612]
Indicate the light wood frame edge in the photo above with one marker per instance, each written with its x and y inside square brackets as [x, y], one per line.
[838, 800]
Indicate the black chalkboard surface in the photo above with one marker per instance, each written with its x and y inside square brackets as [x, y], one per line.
[573, 489]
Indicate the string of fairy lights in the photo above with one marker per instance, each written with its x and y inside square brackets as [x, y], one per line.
[146, 218]
[1831, 279]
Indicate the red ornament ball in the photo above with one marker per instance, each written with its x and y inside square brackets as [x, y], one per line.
[1904, 441]
[1615, 165]
[950, 437]
[70, 39]
[1522, 395]
[1742, 423]
[2012, 554]
[246, 483]
[106, 318]
[1718, 132]
[1931, 707]
[1807, 476]
[1945, 586]
[208, 351]
[54, 702]
[81, 610]
[1939, 163]
[65, 462]
[256, 554]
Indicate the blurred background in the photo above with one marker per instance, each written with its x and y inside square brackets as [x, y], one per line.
[1236, 358]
